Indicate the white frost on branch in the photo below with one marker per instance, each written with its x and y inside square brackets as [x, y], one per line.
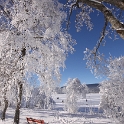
[96, 62]
[96, 1]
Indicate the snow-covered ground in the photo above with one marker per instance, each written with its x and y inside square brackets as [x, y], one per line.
[88, 112]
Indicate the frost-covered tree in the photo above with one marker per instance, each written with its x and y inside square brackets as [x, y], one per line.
[74, 90]
[113, 26]
[112, 11]
[35, 97]
[36, 43]
[8, 69]
[112, 91]
[34, 33]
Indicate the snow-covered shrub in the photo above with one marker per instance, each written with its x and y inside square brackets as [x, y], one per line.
[36, 98]
[112, 91]
[74, 90]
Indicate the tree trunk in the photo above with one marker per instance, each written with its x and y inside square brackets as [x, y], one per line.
[4, 109]
[5, 103]
[17, 111]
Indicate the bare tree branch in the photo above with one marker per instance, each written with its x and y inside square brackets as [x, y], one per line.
[102, 36]
[75, 4]
[117, 3]
[116, 24]
[95, 51]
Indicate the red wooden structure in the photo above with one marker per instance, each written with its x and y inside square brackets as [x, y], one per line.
[36, 121]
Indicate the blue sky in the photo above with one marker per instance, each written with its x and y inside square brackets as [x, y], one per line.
[75, 65]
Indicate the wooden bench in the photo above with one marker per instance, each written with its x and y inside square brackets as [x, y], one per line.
[36, 121]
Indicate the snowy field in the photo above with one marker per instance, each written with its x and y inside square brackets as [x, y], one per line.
[88, 112]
